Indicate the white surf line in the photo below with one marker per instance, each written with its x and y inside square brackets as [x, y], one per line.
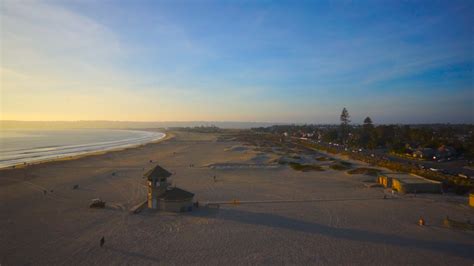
[94, 149]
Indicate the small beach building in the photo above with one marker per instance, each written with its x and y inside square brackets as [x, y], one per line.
[409, 183]
[176, 200]
[385, 180]
[162, 196]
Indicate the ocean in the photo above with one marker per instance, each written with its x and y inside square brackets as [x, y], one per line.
[31, 146]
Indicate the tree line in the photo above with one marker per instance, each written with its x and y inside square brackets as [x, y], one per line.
[396, 138]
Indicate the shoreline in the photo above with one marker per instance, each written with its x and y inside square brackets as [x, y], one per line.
[167, 135]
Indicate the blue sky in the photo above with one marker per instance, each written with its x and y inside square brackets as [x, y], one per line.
[288, 61]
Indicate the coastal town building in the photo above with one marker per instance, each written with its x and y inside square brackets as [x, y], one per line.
[442, 152]
[162, 196]
[424, 153]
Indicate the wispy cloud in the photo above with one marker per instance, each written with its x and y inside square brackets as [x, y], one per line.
[159, 61]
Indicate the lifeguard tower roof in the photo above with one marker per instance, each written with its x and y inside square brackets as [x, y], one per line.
[157, 173]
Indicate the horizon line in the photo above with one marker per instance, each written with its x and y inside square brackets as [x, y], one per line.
[227, 121]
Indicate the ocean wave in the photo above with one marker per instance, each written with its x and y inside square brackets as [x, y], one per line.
[43, 153]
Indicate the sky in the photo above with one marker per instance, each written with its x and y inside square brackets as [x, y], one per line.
[261, 61]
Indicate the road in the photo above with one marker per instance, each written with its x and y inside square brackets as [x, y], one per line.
[453, 167]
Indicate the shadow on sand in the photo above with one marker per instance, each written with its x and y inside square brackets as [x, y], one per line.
[278, 221]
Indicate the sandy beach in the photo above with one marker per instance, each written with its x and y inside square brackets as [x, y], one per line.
[319, 217]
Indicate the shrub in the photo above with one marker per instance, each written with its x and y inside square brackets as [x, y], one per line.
[322, 159]
[305, 167]
[345, 163]
[364, 171]
[339, 167]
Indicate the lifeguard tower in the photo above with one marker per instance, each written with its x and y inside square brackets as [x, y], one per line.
[164, 197]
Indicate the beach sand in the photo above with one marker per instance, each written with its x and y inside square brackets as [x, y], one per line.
[59, 228]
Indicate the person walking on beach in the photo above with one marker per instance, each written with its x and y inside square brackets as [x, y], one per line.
[102, 241]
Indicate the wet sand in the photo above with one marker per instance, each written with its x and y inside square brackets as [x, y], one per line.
[59, 228]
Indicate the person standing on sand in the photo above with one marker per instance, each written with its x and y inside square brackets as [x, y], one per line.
[102, 241]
